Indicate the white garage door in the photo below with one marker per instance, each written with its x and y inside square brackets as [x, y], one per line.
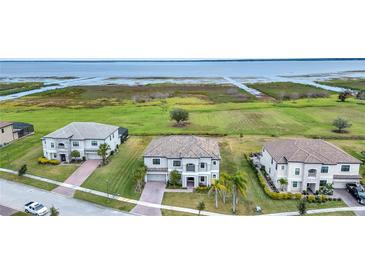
[339, 184]
[156, 178]
[92, 156]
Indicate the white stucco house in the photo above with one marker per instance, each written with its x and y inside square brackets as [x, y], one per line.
[84, 137]
[308, 164]
[196, 158]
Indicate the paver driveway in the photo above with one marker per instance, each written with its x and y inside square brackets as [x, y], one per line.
[78, 177]
[153, 193]
[348, 200]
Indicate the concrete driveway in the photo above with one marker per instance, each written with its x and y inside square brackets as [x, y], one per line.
[6, 211]
[348, 199]
[152, 193]
[78, 177]
[15, 195]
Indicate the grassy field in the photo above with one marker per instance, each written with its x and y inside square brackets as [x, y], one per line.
[232, 151]
[287, 90]
[12, 88]
[27, 181]
[27, 151]
[351, 83]
[119, 171]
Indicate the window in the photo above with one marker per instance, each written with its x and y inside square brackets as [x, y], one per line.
[113, 136]
[324, 169]
[2, 130]
[214, 176]
[202, 179]
[61, 145]
[75, 144]
[156, 161]
[276, 167]
[176, 163]
[312, 173]
[282, 167]
[202, 165]
[190, 167]
[94, 143]
[269, 169]
[322, 182]
[110, 137]
[52, 145]
[295, 184]
[214, 162]
[345, 168]
[297, 171]
[272, 160]
[55, 155]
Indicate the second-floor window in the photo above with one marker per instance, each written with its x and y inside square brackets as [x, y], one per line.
[94, 143]
[75, 144]
[61, 145]
[176, 163]
[297, 171]
[202, 165]
[190, 167]
[156, 161]
[52, 145]
[312, 173]
[282, 167]
[322, 182]
[324, 169]
[345, 168]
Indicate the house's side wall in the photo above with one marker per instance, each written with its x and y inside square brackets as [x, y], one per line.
[6, 136]
[270, 166]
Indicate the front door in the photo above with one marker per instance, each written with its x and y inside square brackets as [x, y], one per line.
[63, 157]
[190, 181]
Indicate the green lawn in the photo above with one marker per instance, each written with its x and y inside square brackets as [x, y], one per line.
[103, 201]
[12, 88]
[288, 90]
[351, 83]
[119, 172]
[27, 151]
[344, 213]
[232, 150]
[21, 213]
[27, 181]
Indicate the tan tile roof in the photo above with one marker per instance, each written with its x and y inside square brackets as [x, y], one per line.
[183, 146]
[308, 151]
[5, 124]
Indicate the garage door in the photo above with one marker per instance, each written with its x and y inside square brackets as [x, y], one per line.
[339, 184]
[92, 156]
[156, 178]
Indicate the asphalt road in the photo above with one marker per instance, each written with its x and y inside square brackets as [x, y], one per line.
[15, 195]
[348, 200]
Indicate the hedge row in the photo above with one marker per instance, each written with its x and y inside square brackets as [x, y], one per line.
[45, 161]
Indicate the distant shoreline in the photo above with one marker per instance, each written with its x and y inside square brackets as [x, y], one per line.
[86, 60]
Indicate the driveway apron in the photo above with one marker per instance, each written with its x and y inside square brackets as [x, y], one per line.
[152, 193]
[78, 177]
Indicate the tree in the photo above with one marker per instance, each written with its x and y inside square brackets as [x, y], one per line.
[103, 151]
[217, 188]
[238, 188]
[22, 170]
[341, 124]
[283, 183]
[302, 207]
[179, 115]
[225, 180]
[75, 154]
[54, 211]
[138, 175]
[343, 96]
[200, 206]
[175, 177]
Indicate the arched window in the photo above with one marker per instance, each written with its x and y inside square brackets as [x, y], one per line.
[312, 173]
[190, 167]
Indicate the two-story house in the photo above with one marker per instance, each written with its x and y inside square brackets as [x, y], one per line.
[308, 164]
[85, 137]
[196, 158]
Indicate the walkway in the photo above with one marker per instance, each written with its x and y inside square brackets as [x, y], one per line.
[348, 200]
[152, 193]
[78, 177]
[16, 195]
[244, 87]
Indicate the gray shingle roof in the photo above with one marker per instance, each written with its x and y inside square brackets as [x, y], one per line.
[308, 151]
[5, 124]
[183, 146]
[83, 130]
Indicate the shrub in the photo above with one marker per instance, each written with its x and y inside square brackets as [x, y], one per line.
[22, 170]
[45, 161]
[311, 198]
[179, 115]
[54, 162]
[302, 207]
[201, 189]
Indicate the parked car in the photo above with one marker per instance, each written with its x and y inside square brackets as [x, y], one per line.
[357, 191]
[35, 208]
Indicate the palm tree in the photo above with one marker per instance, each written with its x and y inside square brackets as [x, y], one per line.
[225, 179]
[217, 187]
[238, 188]
[139, 175]
[200, 206]
[103, 151]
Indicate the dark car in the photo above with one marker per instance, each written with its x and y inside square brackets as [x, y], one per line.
[357, 191]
